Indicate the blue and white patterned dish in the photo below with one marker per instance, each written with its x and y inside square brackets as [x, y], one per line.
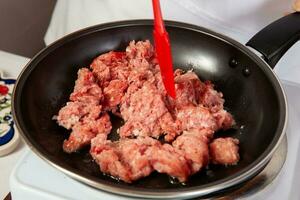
[9, 138]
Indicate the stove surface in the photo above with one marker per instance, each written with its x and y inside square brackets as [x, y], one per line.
[32, 178]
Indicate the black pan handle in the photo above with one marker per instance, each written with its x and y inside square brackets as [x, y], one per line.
[275, 39]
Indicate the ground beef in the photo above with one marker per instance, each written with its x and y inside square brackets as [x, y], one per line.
[70, 114]
[129, 84]
[169, 160]
[196, 117]
[141, 49]
[185, 90]
[223, 119]
[110, 66]
[224, 151]
[82, 113]
[85, 130]
[185, 95]
[210, 98]
[86, 89]
[126, 159]
[131, 159]
[84, 100]
[85, 79]
[113, 94]
[106, 154]
[194, 146]
[134, 154]
[145, 114]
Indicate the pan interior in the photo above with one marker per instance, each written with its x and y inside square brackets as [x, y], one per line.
[48, 81]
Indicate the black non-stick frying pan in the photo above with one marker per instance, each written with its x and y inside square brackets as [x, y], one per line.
[252, 92]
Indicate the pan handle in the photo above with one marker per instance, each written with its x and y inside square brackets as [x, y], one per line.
[275, 39]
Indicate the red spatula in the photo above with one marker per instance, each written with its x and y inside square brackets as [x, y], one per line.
[163, 50]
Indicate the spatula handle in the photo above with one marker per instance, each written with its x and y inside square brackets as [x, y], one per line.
[158, 20]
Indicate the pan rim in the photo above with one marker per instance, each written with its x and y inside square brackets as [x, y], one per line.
[194, 191]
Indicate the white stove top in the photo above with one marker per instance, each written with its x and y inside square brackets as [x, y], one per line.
[33, 178]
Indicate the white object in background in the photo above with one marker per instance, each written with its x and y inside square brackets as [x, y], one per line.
[11, 65]
[227, 16]
[239, 20]
[30, 178]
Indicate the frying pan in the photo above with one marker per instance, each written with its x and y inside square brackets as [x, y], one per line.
[253, 94]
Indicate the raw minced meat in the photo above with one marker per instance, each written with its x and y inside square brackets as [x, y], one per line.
[113, 94]
[129, 84]
[211, 98]
[167, 159]
[131, 159]
[85, 100]
[146, 114]
[70, 114]
[186, 90]
[110, 66]
[224, 151]
[85, 130]
[86, 89]
[106, 154]
[194, 145]
[192, 117]
[128, 154]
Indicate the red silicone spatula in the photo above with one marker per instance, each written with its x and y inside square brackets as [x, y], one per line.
[163, 50]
